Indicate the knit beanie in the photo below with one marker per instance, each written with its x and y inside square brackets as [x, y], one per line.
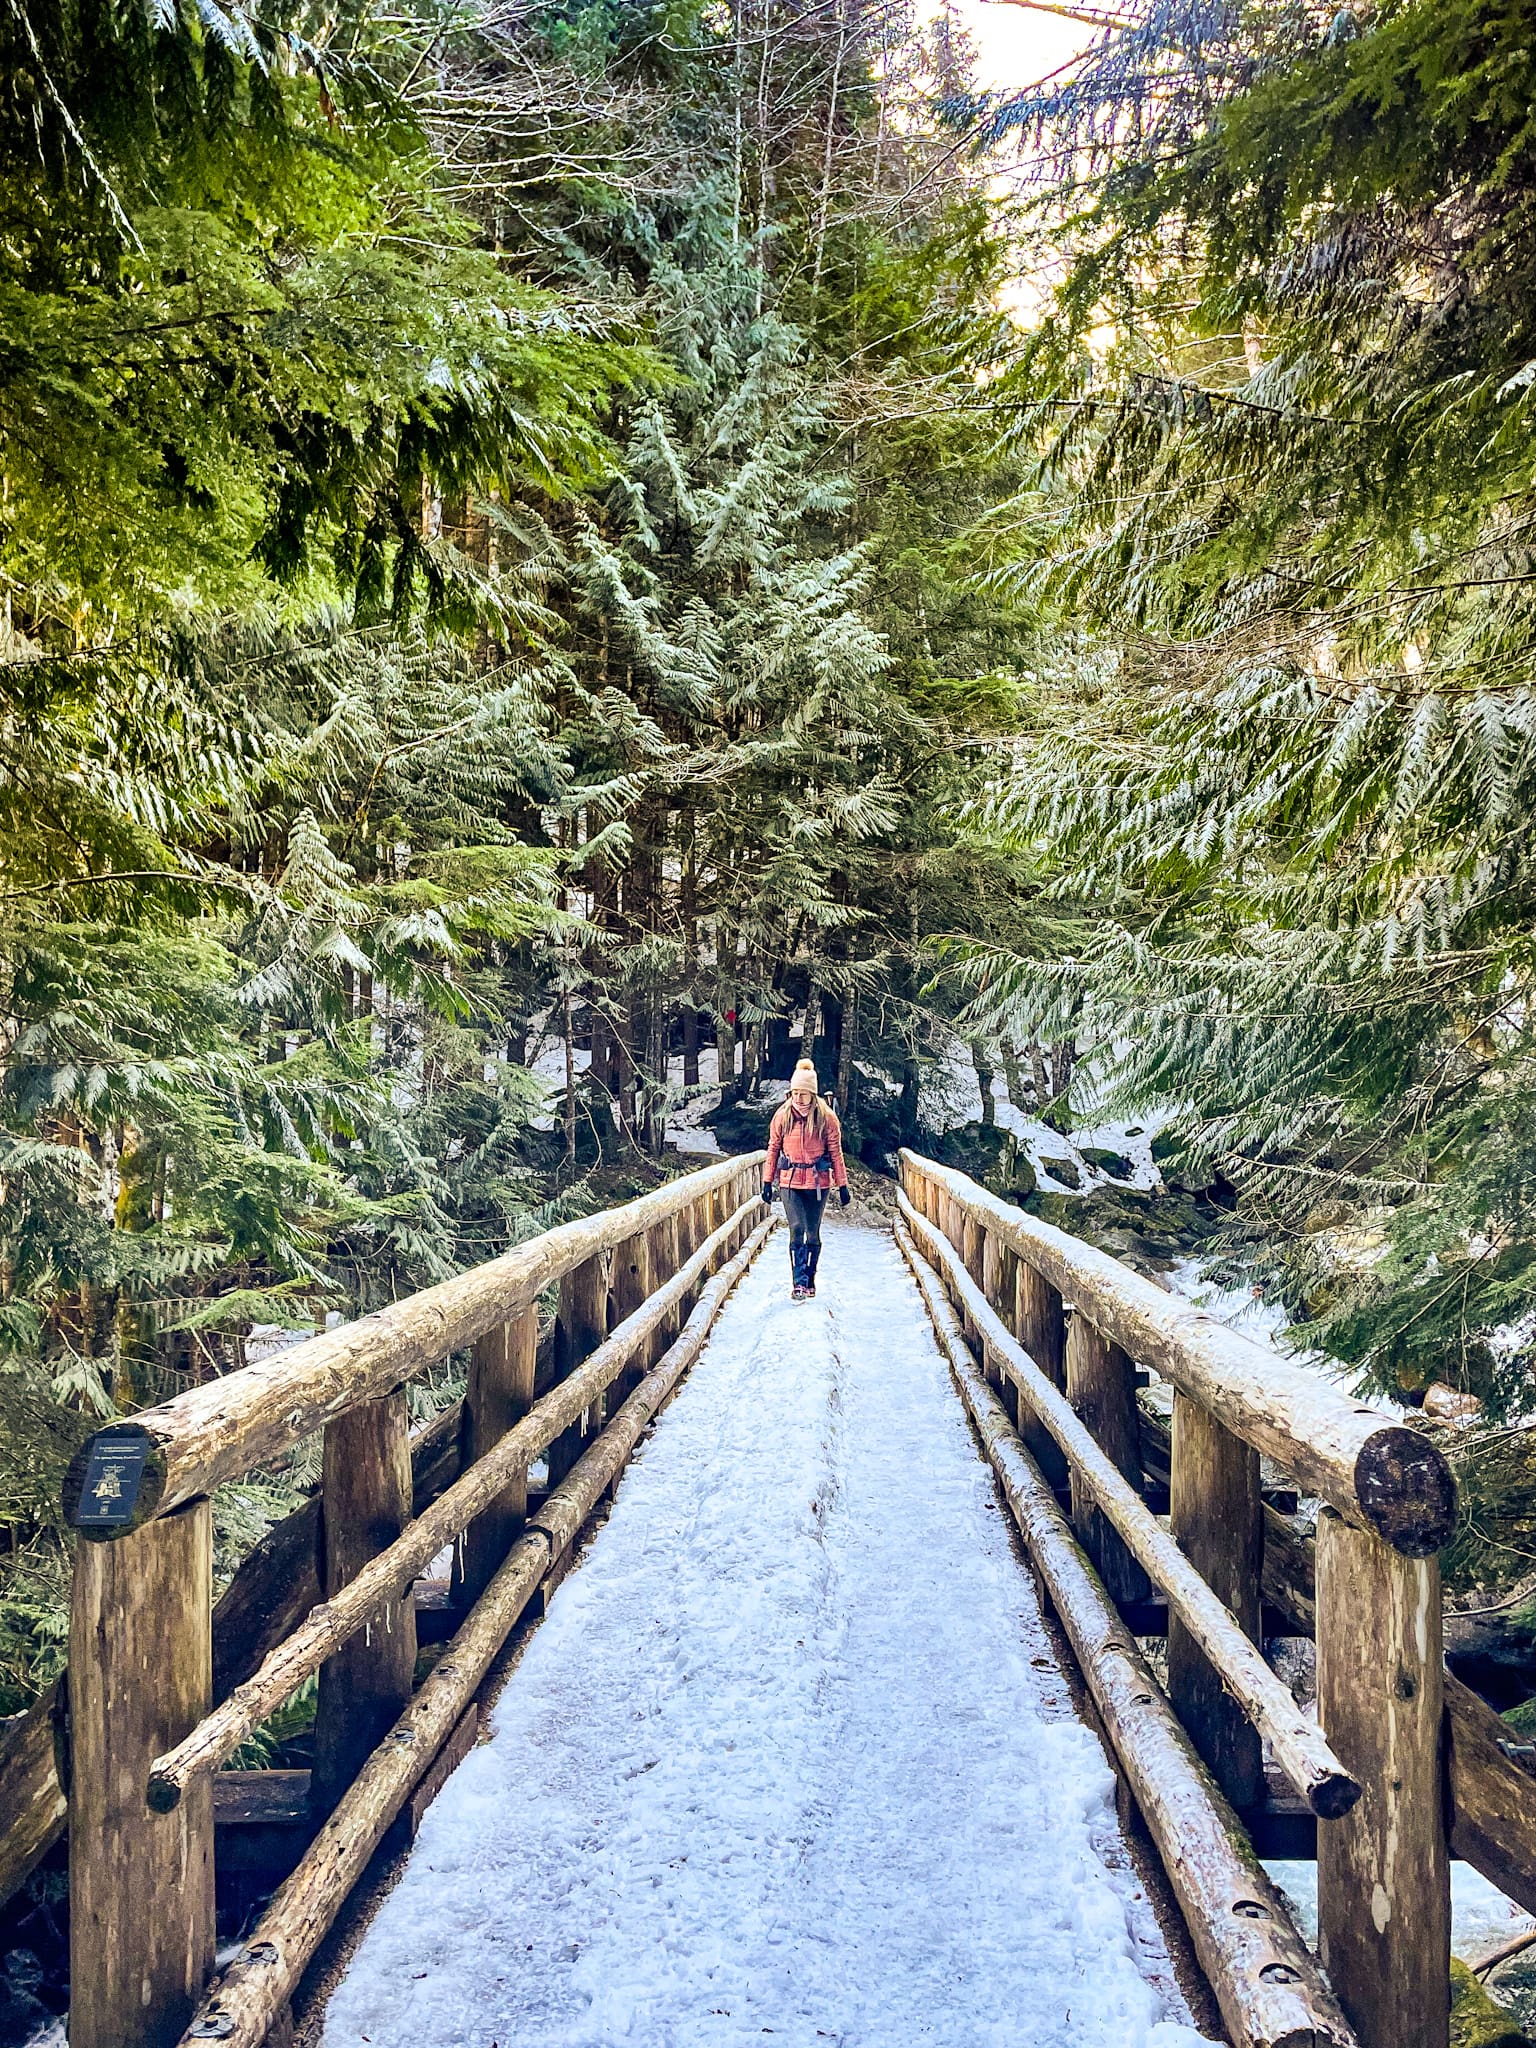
[804, 1076]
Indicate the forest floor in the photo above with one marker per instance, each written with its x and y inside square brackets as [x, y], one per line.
[792, 1754]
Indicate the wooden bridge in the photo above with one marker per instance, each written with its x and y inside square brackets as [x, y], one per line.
[1134, 1531]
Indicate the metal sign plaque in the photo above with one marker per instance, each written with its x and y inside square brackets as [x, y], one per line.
[114, 1467]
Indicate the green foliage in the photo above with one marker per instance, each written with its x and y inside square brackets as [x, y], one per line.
[1277, 524]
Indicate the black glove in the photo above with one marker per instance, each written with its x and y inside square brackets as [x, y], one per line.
[844, 1197]
[767, 1191]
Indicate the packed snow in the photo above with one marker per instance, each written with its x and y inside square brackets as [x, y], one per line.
[790, 1754]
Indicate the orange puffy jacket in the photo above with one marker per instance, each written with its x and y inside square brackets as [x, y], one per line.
[801, 1158]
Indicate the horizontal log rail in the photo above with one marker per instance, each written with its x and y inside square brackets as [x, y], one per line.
[181, 1450]
[1266, 1982]
[328, 1627]
[1373, 1471]
[259, 1981]
[1400, 1766]
[638, 1287]
[1298, 1744]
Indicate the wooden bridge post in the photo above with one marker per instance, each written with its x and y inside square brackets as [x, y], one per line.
[1040, 1326]
[633, 1280]
[140, 1883]
[365, 1503]
[1003, 1292]
[1101, 1387]
[1217, 1517]
[990, 1279]
[664, 1256]
[499, 1393]
[1383, 1871]
[581, 1324]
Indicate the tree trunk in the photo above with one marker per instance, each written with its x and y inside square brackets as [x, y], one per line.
[690, 1046]
[1039, 1077]
[570, 1085]
[910, 1083]
[984, 1079]
[808, 1029]
[845, 1043]
[1013, 1078]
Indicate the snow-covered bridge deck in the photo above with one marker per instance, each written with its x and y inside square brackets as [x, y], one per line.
[791, 1755]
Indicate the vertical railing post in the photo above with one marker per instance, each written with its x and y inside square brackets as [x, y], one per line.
[1217, 1517]
[581, 1324]
[1101, 1387]
[365, 1503]
[665, 1258]
[499, 1393]
[1007, 1306]
[140, 1883]
[631, 1283]
[1040, 1326]
[991, 1281]
[1383, 1871]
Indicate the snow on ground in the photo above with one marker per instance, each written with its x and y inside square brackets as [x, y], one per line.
[951, 1097]
[790, 1755]
[685, 1132]
[1481, 1917]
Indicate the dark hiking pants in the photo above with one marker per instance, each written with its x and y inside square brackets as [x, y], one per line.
[802, 1212]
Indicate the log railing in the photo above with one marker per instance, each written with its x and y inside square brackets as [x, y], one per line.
[638, 1288]
[1045, 1335]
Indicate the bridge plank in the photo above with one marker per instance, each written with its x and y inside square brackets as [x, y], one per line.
[498, 1396]
[1102, 1391]
[366, 1504]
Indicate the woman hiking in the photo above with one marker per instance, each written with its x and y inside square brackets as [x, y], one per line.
[805, 1161]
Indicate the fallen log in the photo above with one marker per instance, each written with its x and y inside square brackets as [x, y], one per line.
[257, 1985]
[184, 1448]
[1298, 1744]
[34, 1807]
[1373, 1471]
[337, 1620]
[1265, 1979]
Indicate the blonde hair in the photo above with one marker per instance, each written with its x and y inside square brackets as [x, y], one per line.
[804, 1076]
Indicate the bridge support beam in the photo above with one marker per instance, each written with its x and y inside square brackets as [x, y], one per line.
[365, 1505]
[1383, 1871]
[141, 1883]
[581, 1325]
[632, 1281]
[1040, 1326]
[499, 1394]
[1218, 1521]
[1101, 1387]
